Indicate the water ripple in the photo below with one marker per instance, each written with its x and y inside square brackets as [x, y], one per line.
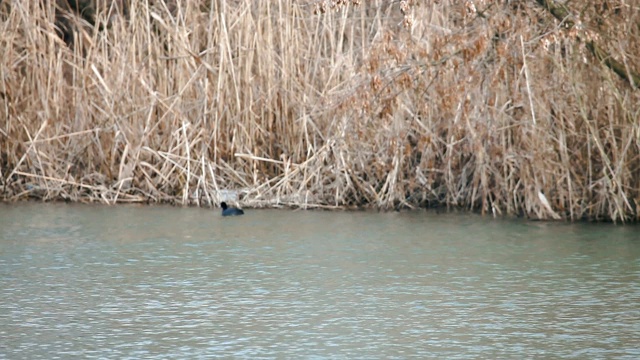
[365, 285]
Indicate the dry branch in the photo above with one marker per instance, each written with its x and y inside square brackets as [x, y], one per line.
[563, 14]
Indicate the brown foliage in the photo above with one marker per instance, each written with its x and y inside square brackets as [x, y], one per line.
[491, 106]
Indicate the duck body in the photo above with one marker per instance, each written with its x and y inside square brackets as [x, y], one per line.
[230, 211]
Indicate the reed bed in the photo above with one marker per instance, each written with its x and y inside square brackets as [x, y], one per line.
[488, 106]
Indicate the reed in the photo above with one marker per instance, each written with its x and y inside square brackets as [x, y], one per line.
[489, 106]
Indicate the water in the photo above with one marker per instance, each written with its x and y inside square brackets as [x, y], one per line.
[80, 281]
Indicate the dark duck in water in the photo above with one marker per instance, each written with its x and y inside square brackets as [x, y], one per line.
[230, 211]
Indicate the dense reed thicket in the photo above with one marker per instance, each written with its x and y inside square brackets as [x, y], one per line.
[491, 106]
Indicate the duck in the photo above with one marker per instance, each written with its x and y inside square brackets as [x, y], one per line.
[230, 211]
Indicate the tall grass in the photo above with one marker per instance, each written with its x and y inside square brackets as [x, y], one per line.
[494, 107]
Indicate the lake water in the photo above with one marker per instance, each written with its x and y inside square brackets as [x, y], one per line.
[80, 281]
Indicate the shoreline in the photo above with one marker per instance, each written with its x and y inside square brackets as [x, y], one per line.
[437, 211]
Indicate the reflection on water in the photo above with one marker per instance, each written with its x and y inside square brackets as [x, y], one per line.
[163, 282]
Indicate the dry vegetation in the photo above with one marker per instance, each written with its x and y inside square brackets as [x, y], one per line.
[490, 106]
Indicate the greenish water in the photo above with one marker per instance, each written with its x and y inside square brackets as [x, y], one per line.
[162, 282]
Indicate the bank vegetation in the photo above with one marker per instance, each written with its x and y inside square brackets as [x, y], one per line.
[519, 108]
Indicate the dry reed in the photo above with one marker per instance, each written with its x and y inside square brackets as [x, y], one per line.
[490, 106]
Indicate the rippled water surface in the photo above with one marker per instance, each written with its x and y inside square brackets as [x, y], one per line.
[162, 282]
